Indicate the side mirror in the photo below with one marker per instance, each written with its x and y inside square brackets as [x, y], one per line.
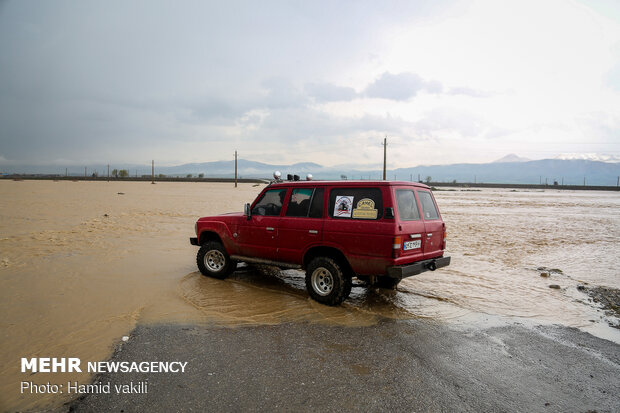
[247, 211]
[389, 213]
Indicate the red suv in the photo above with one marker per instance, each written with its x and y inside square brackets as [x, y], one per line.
[377, 231]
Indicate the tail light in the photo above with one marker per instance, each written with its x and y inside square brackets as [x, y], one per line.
[396, 246]
[445, 235]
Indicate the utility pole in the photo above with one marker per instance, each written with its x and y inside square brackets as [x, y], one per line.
[66, 171]
[618, 182]
[84, 172]
[384, 156]
[584, 181]
[108, 172]
[235, 169]
[153, 171]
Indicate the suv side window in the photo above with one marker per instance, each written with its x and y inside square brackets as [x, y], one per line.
[356, 203]
[299, 204]
[407, 206]
[305, 202]
[270, 203]
[316, 209]
[428, 206]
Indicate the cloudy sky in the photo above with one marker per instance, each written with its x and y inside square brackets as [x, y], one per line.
[307, 81]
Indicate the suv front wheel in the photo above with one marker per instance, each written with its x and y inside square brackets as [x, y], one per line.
[326, 282]
[213, 260]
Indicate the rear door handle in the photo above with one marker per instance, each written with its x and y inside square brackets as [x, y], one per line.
[270, 229]
[313, 231]
[429, 235]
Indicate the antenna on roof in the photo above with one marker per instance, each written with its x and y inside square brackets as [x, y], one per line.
[384, 156]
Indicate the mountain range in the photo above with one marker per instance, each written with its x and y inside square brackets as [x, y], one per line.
[509, 169]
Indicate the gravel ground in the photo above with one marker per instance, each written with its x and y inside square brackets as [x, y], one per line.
[609, 299]
[394, 366]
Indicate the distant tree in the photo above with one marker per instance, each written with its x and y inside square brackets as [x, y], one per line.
[115, 173]
[343, 177]
[123, 173]
[201, 175]
[189, 175]
[454, 181]
[429, 179]
[161, 175]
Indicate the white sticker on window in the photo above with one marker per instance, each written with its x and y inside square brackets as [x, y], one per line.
[343, 207]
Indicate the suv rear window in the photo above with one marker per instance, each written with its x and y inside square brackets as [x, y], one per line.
[407, 206]
[428, 206]
[355, 203]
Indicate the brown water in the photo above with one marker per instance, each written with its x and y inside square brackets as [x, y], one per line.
[73, 281]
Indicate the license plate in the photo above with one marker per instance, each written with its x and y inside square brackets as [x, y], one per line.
[411, 245]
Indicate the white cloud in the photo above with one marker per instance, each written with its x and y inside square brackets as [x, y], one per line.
[401, 86]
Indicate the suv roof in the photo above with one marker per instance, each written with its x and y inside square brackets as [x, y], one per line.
[349, 183]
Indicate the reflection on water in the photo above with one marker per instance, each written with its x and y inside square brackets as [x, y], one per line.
[265, 295]
[80, 265]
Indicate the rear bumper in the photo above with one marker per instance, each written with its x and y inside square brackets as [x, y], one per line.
[403, 271]
[193, 241]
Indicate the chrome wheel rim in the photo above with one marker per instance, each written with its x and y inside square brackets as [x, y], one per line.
[214, 260]
[322, 281]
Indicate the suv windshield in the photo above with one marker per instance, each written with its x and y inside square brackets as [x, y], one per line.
[407, 207]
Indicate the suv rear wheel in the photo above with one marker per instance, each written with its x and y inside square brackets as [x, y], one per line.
[326, 282]
[213, 260]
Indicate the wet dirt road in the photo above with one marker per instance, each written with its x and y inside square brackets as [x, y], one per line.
[395, 365]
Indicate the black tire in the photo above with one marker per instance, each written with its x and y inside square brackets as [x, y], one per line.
[386, 282]
[213, 260]
[326, 282]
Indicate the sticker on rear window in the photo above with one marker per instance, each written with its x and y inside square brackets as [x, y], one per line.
[343, 206]
[365, 209]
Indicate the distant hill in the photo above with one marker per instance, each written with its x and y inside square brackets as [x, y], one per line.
[568, 172]
[510, 169]
[511, 158]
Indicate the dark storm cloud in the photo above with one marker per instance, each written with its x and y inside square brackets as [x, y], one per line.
[79, 80]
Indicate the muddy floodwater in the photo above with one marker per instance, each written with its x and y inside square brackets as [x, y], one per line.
[81, 263]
